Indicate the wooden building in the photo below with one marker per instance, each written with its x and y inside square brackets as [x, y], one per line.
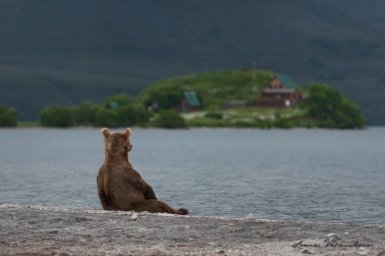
[275, 94]
[189, 102]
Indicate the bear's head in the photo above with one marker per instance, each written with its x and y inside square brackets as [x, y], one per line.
[117, 142]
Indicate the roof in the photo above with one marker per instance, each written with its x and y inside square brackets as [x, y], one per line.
[286, 80]
[113, 104]
[192, 98]
[275, 83]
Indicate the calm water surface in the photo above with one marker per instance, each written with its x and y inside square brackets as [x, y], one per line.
[321, 175]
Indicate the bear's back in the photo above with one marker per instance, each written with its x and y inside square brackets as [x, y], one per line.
[118, 183]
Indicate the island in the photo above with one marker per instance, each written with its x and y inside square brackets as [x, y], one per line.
[229, 98]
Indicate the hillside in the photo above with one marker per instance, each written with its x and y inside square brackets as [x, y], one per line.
[64, 52]
[213, 88]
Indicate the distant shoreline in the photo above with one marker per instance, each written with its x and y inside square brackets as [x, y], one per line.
[40, 230]
[190, 128]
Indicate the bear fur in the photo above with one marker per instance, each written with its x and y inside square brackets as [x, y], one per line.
[120, 187]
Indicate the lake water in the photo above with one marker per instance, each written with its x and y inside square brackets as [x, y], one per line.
[321, 175]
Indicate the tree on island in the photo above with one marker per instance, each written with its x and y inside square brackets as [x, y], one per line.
[56, 117]
[115, 111]
[8, 117]
[332, 109]
[169, 119]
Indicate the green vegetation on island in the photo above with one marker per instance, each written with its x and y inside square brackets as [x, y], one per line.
[331, 109]
[213, 88]
[115, 111]
[322, 106]
[8, 117]
[233, 98]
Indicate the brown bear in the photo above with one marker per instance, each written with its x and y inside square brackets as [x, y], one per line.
[120, 187]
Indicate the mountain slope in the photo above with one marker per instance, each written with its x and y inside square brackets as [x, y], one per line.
[62, 52]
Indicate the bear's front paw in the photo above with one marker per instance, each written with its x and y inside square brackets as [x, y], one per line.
[182, 211]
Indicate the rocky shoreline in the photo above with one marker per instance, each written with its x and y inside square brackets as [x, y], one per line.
[36, 230]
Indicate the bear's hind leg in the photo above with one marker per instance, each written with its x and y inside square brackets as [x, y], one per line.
[154, 206]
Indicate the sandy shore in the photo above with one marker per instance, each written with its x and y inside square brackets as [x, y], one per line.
[34, 230]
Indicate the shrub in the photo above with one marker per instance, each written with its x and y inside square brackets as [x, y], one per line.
[169, 119]
[8, 117]
[331, 109]
[84, 114]
[283, 123]
[132, 115]
[106, 117]
[166, 98]
[205, 122]
[214, 115]
[115, 111]
[56, 117]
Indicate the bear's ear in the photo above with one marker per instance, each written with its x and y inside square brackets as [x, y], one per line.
[106, 133]
[127, 132]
